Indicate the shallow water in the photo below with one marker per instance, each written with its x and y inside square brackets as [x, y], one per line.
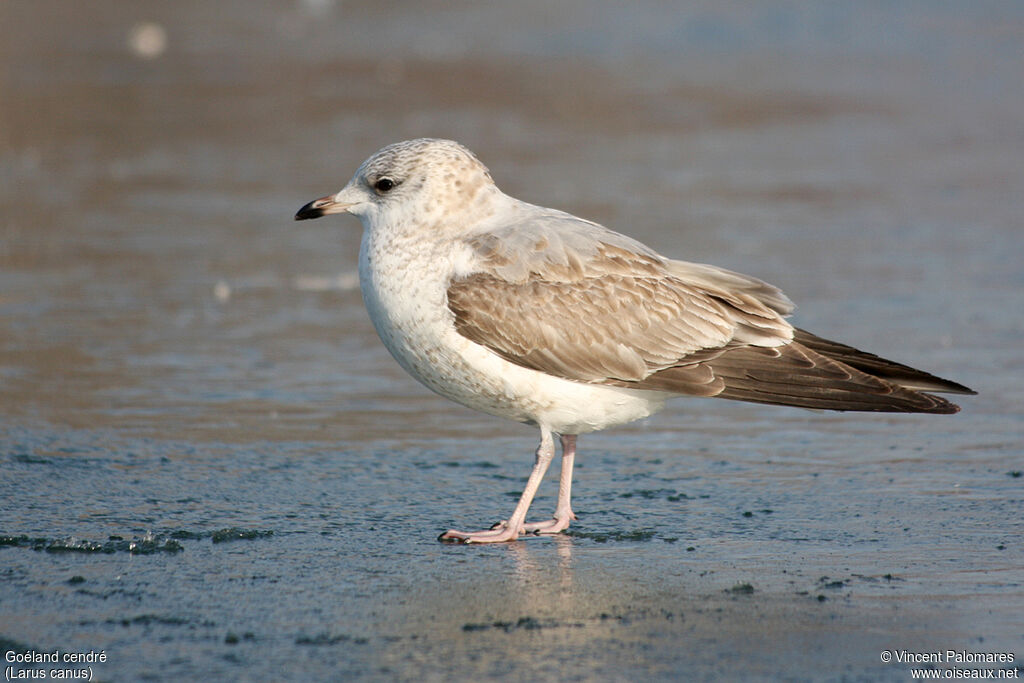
[211, 469]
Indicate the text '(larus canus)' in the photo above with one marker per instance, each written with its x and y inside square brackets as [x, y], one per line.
[538, 316]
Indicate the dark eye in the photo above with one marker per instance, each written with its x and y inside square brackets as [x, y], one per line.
[384, 185]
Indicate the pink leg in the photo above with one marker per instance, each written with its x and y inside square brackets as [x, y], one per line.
[563, 510]
[511, 529]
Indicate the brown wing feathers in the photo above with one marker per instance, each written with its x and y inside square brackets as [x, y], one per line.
[664, 337]
[796, 375]
[888, 370]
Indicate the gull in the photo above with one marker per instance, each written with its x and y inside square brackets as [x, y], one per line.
[535, 315]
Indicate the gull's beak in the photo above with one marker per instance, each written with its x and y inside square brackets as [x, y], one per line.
[322, 207]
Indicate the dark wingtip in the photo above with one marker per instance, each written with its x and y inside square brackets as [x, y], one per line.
[312, 210]
[947, 386]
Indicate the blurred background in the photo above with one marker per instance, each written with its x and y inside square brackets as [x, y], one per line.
[177, 356]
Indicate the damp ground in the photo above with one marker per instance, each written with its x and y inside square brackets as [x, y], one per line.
[210, 469]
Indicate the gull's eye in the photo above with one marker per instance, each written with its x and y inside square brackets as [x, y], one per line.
[384, 185]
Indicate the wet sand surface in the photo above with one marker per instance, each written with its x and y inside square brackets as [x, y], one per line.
[210, 468]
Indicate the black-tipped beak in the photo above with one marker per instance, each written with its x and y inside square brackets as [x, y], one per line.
[315, 209]
[324, 206]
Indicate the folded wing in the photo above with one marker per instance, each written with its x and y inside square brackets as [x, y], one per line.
[571, 299]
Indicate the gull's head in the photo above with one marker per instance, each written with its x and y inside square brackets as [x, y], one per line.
[426, 181]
